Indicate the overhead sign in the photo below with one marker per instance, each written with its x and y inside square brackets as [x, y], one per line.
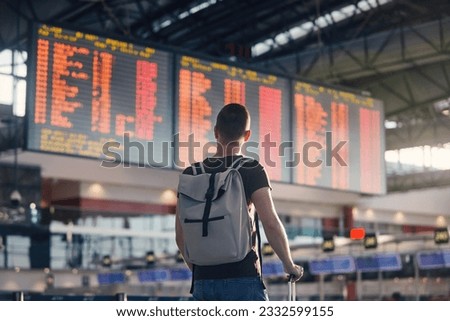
[205, 86]
[379, 262]
[441, 236]
[87, 90]
[335, 265]
[433, 260]
[111, 278]
[328, 244]
[273, 269]
[357, 233]
[156, 275]
[370, 241]
[123, 102]
[341, 138]
[180, 274]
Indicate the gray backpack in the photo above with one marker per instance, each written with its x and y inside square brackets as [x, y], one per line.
[214, 215]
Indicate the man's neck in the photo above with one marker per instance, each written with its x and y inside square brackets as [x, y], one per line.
[228, 150]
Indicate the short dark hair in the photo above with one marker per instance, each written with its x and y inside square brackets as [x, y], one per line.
[232, 121]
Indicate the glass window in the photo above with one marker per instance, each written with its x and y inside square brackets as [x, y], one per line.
[5, 62]
[6, 89]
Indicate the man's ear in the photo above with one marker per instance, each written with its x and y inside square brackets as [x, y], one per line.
[216, 132]
[247, 135]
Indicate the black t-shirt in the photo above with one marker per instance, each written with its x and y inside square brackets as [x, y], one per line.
[253, 174]
[254, 177]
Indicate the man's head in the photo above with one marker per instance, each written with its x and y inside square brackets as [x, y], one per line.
[232, 124]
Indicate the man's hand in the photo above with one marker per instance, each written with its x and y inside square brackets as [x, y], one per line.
[296, 271]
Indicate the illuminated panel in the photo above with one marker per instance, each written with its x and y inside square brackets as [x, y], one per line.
[369, 147]
[340, 131]
[334, 265]
[379, 262]
[204, 87]
[180, 274]
[310, 125]
[42, 79]
[110, 278]
[338, 140]
[101, 92]
[88, 90]
[431, 260]
[156, 275]
[271, 269]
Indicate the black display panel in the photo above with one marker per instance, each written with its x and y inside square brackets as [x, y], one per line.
[88, 90]
[339, 139]
[103, 98]
[204, 87]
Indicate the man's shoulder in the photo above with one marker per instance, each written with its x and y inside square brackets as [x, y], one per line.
[188, 170]
[211, 164]
[249, 162]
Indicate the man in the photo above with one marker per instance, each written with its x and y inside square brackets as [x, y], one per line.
[240, 280]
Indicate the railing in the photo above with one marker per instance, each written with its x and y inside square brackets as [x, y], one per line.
[25, 296]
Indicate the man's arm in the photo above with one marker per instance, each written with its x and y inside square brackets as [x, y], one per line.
[274, 229]
[179, 237]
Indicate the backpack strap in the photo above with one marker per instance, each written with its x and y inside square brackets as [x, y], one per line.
[202, 168]
[198, 168]
[258, 235]
[209, 196]
[238, 163]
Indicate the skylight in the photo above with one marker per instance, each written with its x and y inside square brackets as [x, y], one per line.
[13, 87]
[305, 28]
[421, 157]
[443, 106]
[183, 15]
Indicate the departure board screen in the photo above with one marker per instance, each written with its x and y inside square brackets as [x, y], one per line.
[339, 138]
[204, 87]
[88, 90]
[104, 98]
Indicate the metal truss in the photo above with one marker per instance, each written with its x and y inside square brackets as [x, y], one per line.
[363, 18]
[368, 59]
[408, 68]
[116, 17]
[417, 128]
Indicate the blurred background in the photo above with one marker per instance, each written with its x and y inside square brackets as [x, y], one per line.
[76, 74]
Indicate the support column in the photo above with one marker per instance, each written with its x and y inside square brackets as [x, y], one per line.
[5, 251]
[347, 212]
[322, 287]
[352, 286]
[351, 291]
[330, 226]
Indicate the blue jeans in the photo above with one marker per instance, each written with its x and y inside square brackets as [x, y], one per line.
[236, 289]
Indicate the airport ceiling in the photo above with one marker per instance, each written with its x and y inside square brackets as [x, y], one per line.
[397, 50]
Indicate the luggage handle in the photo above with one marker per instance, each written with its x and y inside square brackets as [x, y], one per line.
[292, 294]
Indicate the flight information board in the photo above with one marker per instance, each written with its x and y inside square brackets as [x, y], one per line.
[339, 139]
[90, 90]
[108, 99]
[204, 87]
